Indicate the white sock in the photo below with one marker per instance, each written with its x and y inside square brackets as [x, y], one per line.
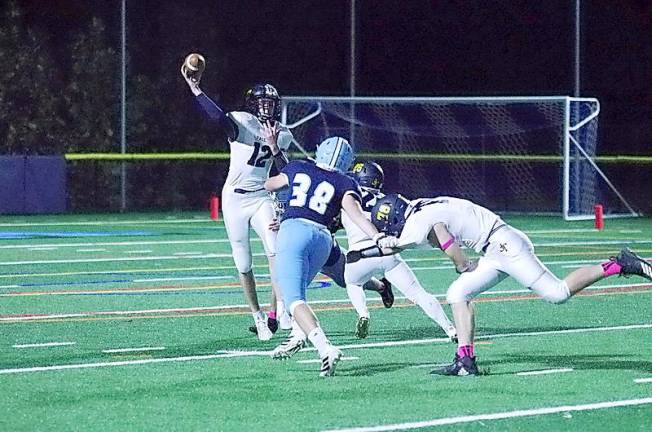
[296, 331]
[358, 299]
[433, 309]
[280, 307]
[259, 315]
[319, 340]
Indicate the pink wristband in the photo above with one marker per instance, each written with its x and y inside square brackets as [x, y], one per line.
[448, 243]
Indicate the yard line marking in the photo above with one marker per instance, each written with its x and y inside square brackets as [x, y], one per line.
[642, 380]
[497, 416]
[236, 354]
[90, 250]
[118, 363]
[545, 371]
[144, 251]
[42, 248]
[124, 350]
[186, 278]
[43, 345]
[187, 253]
[319, 360]
[122, 243]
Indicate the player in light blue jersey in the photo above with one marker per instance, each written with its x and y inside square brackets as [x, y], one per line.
[318, 193]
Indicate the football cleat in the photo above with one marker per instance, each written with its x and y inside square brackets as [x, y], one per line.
[461, 366]
[632, 264]
[262, 330]
[288, 348]
[362, 328]
[272, 324]
[387, 294]
[329, 361]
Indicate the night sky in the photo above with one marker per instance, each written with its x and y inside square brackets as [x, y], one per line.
[406, 48]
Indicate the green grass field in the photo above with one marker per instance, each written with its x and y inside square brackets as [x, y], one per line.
[137, 322]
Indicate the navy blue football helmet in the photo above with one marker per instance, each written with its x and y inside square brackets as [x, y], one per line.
[368, 174]
[388, 215]
[263, 101]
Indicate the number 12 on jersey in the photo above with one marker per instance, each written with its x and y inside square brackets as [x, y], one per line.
[320, 197]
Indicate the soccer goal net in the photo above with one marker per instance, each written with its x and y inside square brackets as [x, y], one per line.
[511, 154]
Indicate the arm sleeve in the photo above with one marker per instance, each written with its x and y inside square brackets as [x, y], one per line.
[217, 114]
[415, 232]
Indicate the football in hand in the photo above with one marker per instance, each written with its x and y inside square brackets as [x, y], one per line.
[195, 63]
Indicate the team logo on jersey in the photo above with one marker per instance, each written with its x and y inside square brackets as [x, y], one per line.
[383, 212]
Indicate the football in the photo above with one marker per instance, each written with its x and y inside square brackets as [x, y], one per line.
[195, 62]
[193, 66]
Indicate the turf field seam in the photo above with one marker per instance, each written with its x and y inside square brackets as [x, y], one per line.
[498, 416]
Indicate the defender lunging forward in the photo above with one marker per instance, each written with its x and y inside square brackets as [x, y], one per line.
[370, 178]
[256, 140]
[447, 222]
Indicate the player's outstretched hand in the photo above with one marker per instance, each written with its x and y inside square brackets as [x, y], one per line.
[193, 84]
[270, 132]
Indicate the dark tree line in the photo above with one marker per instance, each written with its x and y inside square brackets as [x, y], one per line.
[55, 105]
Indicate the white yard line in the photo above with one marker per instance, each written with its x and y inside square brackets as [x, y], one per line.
[43, 345]
[188, 278]
[144, 251]
[236, 354]
[497, 416]
[187, 253]
[42, 248]
[118, 363]
[91, 250]
[643, 380]
[127, 350]
[545, 372]
[319, 360]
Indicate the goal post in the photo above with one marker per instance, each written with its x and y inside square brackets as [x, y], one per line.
[512, 154]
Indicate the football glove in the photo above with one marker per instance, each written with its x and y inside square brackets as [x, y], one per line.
[384, 241]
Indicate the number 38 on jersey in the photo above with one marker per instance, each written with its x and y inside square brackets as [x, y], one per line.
[318, 200]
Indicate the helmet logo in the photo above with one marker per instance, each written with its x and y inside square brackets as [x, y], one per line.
[358, 167]
[383, 212]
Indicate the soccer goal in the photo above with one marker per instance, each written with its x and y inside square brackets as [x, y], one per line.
[511, 154]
